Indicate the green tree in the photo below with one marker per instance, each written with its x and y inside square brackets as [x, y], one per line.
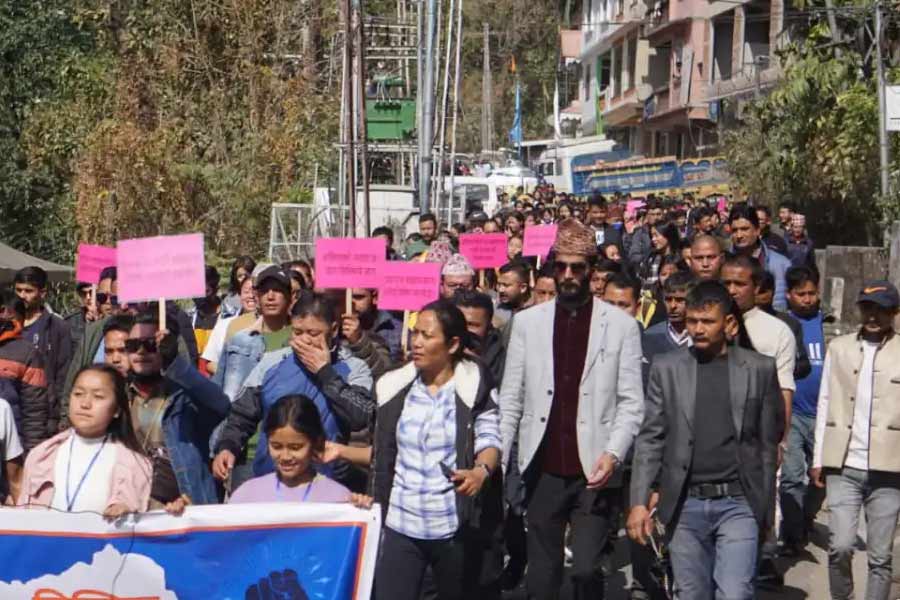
[52, 80]
[814, 141]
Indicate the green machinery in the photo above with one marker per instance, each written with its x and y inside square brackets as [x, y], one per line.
[390, 119]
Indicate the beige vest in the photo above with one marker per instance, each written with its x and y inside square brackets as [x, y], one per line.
[845, 354]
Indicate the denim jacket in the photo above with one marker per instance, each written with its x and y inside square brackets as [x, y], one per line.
[242, 353]
[196, 406]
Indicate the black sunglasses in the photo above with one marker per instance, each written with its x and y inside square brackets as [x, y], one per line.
[132, 345]
[578, 268]
[102, 298]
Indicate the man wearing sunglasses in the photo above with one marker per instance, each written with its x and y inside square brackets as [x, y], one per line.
[174, 409]
[107, 288]
[91, 348]
[572, 398]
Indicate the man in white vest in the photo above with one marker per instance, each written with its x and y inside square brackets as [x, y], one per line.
[857, 441]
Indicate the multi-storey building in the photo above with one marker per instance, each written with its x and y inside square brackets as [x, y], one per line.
[655, 72]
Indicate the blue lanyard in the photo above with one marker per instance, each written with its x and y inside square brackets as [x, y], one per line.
[70, 501]
[305, 494]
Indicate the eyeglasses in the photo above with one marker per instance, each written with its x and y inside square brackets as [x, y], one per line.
[578, 268]
[132, 345]
[103, 298]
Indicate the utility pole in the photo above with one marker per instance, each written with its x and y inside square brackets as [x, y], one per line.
[459, 13]
[832, 25]
[426, 124]
[348, 152]
[362, 225]
[487, 90]
[442, 121]
[884, 149]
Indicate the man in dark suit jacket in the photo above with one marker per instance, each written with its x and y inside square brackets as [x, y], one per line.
[706, 454]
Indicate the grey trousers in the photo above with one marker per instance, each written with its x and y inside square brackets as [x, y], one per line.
[878, 493]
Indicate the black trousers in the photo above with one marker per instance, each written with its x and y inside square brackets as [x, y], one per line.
[402, 562]
[553, 503]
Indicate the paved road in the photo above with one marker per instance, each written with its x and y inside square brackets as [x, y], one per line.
[806, 576]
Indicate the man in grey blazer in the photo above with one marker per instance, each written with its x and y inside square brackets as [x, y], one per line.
[706, 455]
[572, 397]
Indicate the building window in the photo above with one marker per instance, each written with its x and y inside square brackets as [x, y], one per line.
[632, 62]
[723, 42]
[617, 69]
[757, 49]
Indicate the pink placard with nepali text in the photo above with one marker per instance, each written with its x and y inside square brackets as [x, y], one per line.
[484, 250]
[539, 240]
[408, 285]
[91, 261]
[349, 262]
[632, 206]
[166, 266]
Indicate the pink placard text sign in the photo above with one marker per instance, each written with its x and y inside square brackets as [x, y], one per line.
[91, 261]
[539, 240]
[349, 262]
[484, 250]
[408, 285]
[632, 206]
[166, 266]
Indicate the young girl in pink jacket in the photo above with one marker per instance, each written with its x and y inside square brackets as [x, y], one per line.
[97, 464]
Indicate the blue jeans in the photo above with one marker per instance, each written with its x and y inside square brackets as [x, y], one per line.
[713, 550]
[799, 501]
[878, 493]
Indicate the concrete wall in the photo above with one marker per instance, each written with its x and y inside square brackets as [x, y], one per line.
[844, 270]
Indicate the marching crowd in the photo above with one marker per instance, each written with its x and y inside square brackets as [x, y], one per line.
[663, 372]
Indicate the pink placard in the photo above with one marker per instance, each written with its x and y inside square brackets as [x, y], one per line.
[91, 261]
[349, 262]
[539, 240]
[408, 285]
[632, 206]
[484, 250]
[167, 266]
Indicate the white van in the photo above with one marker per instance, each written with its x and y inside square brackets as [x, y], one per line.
[555, 163]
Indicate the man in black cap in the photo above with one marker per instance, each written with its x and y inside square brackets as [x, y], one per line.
[857, 437]
[271, 331]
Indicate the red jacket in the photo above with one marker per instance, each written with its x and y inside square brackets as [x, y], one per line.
[23, 383]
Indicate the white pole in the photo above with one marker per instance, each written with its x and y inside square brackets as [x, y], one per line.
[439, 175]
[459, 12]
[884, 149]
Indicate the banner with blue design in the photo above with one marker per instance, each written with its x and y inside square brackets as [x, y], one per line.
[240, 552]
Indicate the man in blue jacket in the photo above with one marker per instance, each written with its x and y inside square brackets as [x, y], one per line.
[174, 409]
[313, 366]
[745, 238]
[799, 502]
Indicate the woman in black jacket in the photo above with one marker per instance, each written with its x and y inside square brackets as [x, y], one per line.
[437, 451]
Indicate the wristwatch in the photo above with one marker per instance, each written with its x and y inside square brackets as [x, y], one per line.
[486, 468]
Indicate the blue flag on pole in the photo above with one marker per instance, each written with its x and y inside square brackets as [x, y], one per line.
[515, 134]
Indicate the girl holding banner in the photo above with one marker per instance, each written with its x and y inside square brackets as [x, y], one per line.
[296, 440]
[97, 464]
